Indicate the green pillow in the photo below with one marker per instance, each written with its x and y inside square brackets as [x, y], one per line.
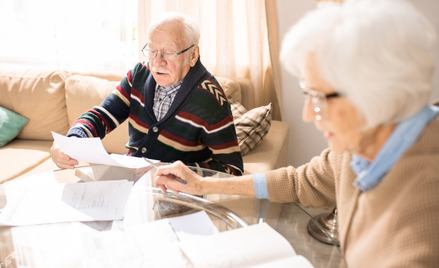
[10, 125]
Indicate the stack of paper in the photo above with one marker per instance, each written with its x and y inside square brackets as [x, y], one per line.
[185, 241]
[65, 202]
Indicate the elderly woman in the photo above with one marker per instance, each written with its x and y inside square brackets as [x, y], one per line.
[365, 68]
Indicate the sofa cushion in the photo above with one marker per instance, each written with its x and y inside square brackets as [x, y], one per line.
[231, 88]
[10, 125]
[39, 96]
[271, 153]
[20, 156]
[251, 126]
[85, 92]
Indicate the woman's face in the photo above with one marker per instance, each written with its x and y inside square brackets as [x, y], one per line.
[340, 122]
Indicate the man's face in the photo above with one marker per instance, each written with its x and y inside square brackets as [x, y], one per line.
[169, 38]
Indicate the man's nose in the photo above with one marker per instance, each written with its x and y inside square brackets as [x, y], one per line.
[159, 58]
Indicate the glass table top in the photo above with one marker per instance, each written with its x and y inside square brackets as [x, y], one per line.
[227, 212]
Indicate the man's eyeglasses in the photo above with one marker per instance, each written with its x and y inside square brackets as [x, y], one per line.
[317, 100]
[166, 55]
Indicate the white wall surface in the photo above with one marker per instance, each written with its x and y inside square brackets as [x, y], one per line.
[305, 141]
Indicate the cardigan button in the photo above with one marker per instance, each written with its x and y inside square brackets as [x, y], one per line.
[155, 129]
[143, 150]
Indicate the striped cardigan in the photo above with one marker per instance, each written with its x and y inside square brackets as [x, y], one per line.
[198, 129]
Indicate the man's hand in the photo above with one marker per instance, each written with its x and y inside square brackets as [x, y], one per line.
[164, 179]
[60, 159]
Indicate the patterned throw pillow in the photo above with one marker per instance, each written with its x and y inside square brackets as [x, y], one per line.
[237, 110]
[251, 126]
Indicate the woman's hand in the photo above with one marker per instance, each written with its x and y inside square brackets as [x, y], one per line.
[197, 185]
[164, 179]
[60, 159]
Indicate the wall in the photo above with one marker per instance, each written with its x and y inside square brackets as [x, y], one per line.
[305, 141]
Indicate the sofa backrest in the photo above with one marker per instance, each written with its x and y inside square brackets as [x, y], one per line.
[39, 95]
[83, 92]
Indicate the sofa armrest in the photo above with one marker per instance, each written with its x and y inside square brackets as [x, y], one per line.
[271, 153]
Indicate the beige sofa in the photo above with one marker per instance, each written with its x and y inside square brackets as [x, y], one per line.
[53, 99]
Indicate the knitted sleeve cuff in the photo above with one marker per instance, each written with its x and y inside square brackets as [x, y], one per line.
[77, 132]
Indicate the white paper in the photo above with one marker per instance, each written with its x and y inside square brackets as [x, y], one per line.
[293, 261]
[137, 211]
[197, 223]
[13, 186]
[51, 245]
[91, 150]
[64, 202]
[242, 247]
[88, 150]
[152, 244]
[106, 173]
[131, 161]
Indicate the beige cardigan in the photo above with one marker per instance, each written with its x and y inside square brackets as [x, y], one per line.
[395, 224]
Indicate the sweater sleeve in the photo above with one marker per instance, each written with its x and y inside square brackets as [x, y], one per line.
[312, 184]
[113, 111]
[222, 141]
[218, 132]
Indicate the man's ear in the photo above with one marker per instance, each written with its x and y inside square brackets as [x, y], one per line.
[194, 56]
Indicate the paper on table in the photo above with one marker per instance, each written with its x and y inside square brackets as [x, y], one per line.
[66, 202]
[50, 245]
[243, 247]
[105, 172]
[91, 150]
[293, 261]
[18, 184]
[197, 223]
[149, 244]
[152, 244]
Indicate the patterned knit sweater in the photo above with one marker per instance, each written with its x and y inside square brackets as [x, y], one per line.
[198, 129]
[394, 224]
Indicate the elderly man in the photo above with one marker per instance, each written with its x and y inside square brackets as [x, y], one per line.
[176, 109]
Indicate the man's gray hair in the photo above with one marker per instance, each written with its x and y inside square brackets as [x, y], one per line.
[191, 35]
[379, 54]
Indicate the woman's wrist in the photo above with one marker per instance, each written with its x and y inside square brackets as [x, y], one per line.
[236, 186]
[206, 185]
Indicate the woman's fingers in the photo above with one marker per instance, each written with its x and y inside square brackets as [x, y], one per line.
[165, 179]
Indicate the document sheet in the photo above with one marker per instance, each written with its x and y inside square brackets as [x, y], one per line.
[65, 202]
[257, 245]
[150, 244]
[91, 150]
[50, 245]
[12, 187]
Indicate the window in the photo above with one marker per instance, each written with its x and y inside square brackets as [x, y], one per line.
[96, 36]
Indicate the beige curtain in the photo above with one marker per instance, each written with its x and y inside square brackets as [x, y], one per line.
[239, 38]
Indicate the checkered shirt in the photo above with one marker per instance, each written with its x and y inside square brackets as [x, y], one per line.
[163, 98]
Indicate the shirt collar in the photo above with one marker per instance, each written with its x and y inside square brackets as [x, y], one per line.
[171, 87]
[370, 174]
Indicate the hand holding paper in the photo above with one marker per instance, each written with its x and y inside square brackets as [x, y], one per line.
[91, 150]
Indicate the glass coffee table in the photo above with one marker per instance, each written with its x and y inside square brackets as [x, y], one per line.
[147, 204]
